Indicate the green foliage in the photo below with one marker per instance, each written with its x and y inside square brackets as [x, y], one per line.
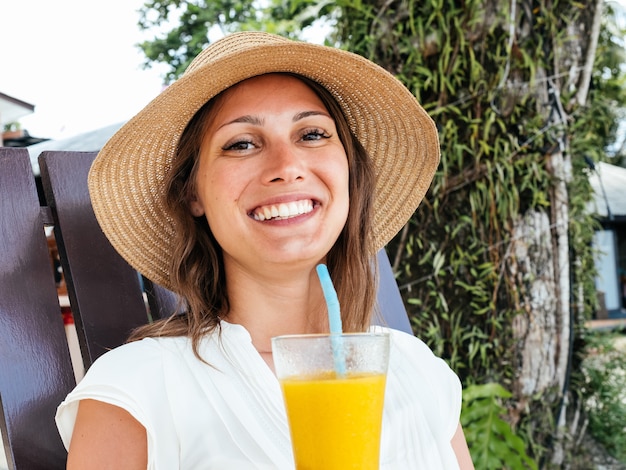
[493, 443]
[185, 26]
[608, 86]
[12, 126]
[604, 392]
[489, 176]
[178, 46]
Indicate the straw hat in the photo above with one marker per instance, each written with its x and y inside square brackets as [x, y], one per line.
[126, 179]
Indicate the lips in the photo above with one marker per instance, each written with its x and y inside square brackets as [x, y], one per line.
[282, 211]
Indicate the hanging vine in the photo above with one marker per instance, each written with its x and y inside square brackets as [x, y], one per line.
[483, 70]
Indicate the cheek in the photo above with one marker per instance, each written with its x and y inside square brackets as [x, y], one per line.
[216, 183]
[341, 174]
[338, 177]
[220, 197]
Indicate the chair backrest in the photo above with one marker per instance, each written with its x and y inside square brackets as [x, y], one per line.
[104, 291]
[35, 367]
[108, 298]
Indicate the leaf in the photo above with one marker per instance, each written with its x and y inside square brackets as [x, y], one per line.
[492, 442]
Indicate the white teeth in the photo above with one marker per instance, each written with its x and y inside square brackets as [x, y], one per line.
[283, 210]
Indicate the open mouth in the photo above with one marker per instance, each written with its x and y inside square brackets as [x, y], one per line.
[283, 211]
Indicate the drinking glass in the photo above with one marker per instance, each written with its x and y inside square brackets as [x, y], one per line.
[333, 386]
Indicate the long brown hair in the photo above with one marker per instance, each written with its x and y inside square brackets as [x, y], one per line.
[197, 271]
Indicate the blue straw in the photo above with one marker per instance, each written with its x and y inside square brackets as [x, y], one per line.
[334, 318]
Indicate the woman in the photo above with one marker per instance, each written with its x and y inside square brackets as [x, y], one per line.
[266, 158]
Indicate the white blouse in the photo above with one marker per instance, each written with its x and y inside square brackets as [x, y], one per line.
[230, 414]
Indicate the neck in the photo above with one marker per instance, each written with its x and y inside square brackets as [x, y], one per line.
[271, 306]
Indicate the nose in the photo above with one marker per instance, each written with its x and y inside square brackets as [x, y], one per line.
[284, 164]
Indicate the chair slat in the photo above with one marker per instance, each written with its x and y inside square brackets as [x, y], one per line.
[163, 302]
[104, 291]
[389, 299]
[35, 367]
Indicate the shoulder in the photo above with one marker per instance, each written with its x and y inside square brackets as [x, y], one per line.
[407, 342]
[408, 349]
[132, 371]
[145, 357]
[415, 372]
[124, 377]
[409, 353]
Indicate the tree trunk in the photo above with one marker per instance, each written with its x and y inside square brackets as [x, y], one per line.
[542, 261]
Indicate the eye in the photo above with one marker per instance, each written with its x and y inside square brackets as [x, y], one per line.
[239, 145]
[314, 134]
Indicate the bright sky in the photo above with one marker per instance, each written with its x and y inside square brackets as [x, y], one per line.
[75, 60]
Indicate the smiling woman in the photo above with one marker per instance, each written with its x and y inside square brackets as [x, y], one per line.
[264, 160]
[274, 147]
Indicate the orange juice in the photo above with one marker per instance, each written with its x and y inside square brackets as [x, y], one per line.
[335, 422]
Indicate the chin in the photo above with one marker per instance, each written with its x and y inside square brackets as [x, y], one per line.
[304, 255]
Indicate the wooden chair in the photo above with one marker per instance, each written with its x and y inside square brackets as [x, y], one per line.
[107, 297]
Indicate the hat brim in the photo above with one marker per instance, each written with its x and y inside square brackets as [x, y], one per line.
[126, 179]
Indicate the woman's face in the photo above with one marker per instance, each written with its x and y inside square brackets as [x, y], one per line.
[272, 178]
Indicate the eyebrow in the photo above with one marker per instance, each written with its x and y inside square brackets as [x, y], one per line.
[255, 120]
[248, 119]
[305, 114]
